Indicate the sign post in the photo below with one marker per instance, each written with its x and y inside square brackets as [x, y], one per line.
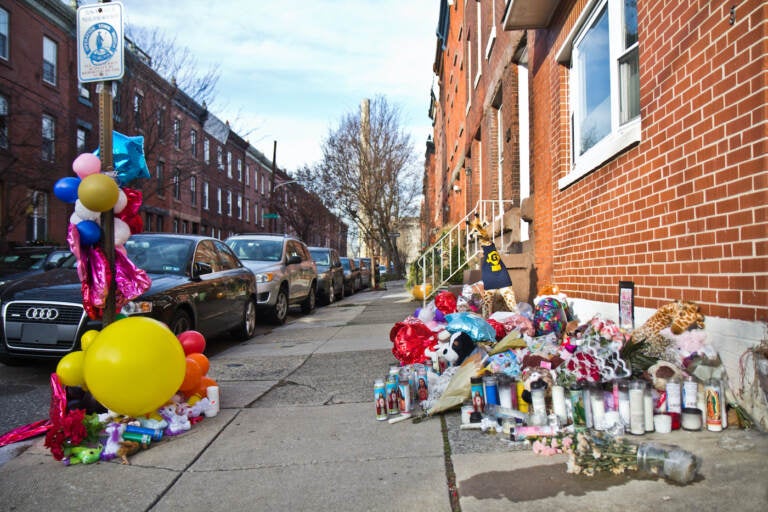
[100, 58]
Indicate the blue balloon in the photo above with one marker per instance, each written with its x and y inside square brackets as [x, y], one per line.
[90, 232]
[66, 189]
[128, 157]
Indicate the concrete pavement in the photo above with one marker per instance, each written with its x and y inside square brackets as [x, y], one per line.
[297, 431]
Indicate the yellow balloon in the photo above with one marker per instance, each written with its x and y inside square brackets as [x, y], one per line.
[134, 366]
[98, 192]
[420, 290]
[87, 338]
[70, 369]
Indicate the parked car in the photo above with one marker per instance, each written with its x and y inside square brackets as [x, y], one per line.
[197, 283]
[330, 275]
[365, 272]
[351, 275]
[285, 272]
[369, 264]
[20, 262]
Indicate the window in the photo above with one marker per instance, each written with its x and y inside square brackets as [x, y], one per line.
[159, 224]
[207, 151]
[218, 200]
[160, 177]
[193, 142]
[229, 203]
[193, 190]
[239, 206]
[604, 85]
[247, 175]
[239, 170]
[220, 158]
[177, 184]
[138, 103]
[160, 120]
[229, 164]
[177, 133]
[479, 43]
[247, 211]
[84, 93]
[49, 139]
[50, 50]
[4, 28]
[3, 122]
[82, 139]
[37, 219]
[206, 189]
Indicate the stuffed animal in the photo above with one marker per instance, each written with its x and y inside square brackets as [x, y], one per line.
[496, 280]
[454, 348]
[114, 432]
[129, 448]
[81, 455]
[679, 316]
[538, 368]
[177, 416]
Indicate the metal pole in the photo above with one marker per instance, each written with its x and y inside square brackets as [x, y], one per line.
[272, 220]
[107, 217]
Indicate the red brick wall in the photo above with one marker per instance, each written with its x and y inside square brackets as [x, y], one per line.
[682, 214]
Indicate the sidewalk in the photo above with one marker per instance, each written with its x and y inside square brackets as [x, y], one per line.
[297, 431]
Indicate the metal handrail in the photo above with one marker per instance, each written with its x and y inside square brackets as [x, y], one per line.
[434, 276]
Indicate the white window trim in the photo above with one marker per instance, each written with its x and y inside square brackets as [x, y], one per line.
[491, 41]
[55, 61]
[620, 138]
[7, 55]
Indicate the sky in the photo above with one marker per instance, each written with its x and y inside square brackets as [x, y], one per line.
[290, 70]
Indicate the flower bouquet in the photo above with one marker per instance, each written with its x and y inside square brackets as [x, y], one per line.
[592, 451]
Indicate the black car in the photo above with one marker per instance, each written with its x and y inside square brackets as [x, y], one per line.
[20, 262]
[330, 275]
[197, 283]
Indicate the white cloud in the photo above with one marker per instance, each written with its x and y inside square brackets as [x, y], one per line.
[292, 69]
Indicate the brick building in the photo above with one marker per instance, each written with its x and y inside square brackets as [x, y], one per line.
[205, 178]
[638, 128]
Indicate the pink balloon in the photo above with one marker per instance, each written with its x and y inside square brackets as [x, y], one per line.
[86, 164]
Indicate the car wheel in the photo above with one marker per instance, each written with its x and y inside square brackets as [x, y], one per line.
[331, 294]
[309, 303]
[181, 322]
[280, 309]
[247, 327]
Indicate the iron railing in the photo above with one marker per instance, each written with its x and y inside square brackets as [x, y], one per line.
[440, 263]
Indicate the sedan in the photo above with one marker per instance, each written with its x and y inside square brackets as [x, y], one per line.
[197, 283]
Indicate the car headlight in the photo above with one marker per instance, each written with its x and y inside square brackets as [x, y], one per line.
[136, 308]
[266, 277]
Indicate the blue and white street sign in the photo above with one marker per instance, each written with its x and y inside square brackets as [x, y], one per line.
[100, 42]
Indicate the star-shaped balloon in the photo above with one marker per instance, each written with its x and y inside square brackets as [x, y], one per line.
[128, 157]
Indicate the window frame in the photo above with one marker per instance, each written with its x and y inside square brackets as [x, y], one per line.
[177, 133]
[4, 108]
[48, 45]
[5, 31]
[621, 135]
[49, 144]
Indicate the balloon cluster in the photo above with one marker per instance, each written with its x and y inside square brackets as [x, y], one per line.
[136, 365]
[92, 193]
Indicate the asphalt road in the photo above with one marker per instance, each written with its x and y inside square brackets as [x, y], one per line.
[25, 392]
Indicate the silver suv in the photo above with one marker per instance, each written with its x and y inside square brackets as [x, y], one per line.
[285, 272]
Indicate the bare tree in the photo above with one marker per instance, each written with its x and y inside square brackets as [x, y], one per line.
[176, 63]
[368, 173]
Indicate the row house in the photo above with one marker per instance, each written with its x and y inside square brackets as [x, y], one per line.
[204, 177]
[625, 138]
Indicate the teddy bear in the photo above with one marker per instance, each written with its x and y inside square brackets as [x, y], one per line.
[535, 367]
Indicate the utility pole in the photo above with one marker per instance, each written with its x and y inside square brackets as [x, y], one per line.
[107, 217]
[272, 219]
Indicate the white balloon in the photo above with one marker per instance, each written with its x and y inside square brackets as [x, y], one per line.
[122, 232]
[122, 202]
[84, 213]
[75, 219]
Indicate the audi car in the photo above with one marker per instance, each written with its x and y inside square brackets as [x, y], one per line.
[197, 283]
